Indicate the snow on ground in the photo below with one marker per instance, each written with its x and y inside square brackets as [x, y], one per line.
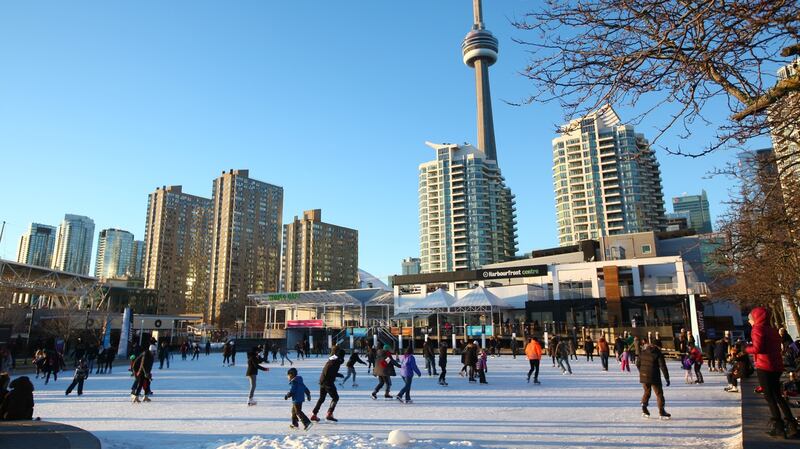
[201, 404]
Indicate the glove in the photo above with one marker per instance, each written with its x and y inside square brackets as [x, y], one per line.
[667, 382]
[286, 397]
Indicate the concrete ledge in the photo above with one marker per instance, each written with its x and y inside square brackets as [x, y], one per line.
[45, 435]
[755, 420]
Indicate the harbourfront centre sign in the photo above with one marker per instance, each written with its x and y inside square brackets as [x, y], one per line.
[507, 273]
[472, 275]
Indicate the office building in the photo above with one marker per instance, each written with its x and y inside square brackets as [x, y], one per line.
[137, 260]
[246, 246]
[36, 246]
[114, 252]
[177, 250]
[318, 255]
[696, 206]
[73, 248]
[411, 265]
[606, 180]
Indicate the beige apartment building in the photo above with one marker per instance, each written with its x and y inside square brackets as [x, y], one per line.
[177, 250]
[318, 256]
[246, 243]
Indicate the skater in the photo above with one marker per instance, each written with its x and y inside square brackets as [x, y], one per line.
[142, 367]
[625, 360]
[163, 355]
[443, 364]
[697, 362]
[327, 386]
[471, 359]
[651, 365]
[274, 351]
[721, 349]
[533, 351]
[109, 352]
[233, 353]
[766, 349]
[562, 352]
[384, 370]
[208, 347]
[184, 350]
[195, 351]
[351, 367]
[226, 354]
[619, 348]
[408, 366]
[573, 347]
[299, 348]
[285, 356]
[514, 347]
[551, 349]
[603, 351]
[430, 358]
[39, 361]
[482, 366]
[91, 358]
[52, 365]
[81, 373]
[297, 392]
[253, 367]
[18, 403]
[588, 348]
[370, 358]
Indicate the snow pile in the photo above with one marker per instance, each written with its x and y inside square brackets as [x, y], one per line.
[353, 441]
[398, 438]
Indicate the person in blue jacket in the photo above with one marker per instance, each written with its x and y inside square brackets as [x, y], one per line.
[408, 367]
[297, 392]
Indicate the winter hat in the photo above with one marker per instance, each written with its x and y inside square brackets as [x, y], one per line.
[292, 372]
[386, 347]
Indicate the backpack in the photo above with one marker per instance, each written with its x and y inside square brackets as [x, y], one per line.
[687, 363]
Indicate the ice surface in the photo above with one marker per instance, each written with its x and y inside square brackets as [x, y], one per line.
[201, 404]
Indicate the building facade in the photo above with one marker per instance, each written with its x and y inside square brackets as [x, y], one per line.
[606, 180]
[177, 250]
[411, 265]
[318, 255]
[246, 243]
[114, 253]
[37, 245]
[73, 248]
[137, 260]
[786, 141]
[467, 216]
[696, 206]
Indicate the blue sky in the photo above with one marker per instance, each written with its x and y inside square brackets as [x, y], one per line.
[101, 102]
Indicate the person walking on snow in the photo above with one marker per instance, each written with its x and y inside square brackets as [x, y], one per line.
[408, 366]
[327, 385]
[533, 351]
[297, 392]
[253, 367]
[651, 365]
[351, 367]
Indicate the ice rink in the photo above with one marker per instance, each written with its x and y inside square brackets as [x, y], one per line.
[201, 404]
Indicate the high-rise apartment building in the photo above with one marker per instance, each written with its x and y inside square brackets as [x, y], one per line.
[114, 252]
[177, 250]
[606, 180]
[137, 260]
[697, 208]
[466, 212]
[318, 255]
[246, 246]
[36, 246]
[786, 139]
[73, 249]
[411, 265]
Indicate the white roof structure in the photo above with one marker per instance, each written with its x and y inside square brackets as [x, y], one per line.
[439, 299]
[480, 298]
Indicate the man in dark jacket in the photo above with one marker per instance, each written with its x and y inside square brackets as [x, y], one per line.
[471, 359]
[651, 365]
[619, 347]
[18, 403]
[142, 367]
[430, 358]
[253, 367]
[351, 367]
[327, 385]
[443, 364]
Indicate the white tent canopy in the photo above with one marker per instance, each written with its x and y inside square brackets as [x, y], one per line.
[480, 297]
[439, 299]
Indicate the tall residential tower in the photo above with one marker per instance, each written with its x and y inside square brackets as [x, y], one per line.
[606, 180]
[73, 250]
[177, 250]
[466, 212]
[318, 255]
[36, 246]
[246, 247]
[114, 249]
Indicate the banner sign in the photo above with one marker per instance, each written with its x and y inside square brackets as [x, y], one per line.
[293, 324]
[479, 330]
[516, 272]
[358, 332]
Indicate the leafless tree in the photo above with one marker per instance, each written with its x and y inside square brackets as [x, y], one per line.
[679, 55]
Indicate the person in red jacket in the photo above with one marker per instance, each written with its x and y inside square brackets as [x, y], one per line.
[766, 350]
[697, 362]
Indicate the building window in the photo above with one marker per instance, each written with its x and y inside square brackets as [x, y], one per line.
[647, 249]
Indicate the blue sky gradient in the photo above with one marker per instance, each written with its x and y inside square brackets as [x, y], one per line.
[101, 102]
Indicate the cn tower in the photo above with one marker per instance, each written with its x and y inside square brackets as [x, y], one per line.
[479, 50]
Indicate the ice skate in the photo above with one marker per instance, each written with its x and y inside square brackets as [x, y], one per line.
[536, 382]
[308, 426]
[374, 396]
[408, 401]
[664, 415]
[292, 426]
[146, 399]
[331, 418]
[251, 402]
[645, 412]
[732, 390]
[388, 396]
[399, 398]
[355, 385]
[314, 417]
[135, 399]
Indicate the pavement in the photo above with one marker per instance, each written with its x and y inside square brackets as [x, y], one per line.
[45, 435]
[755, 420]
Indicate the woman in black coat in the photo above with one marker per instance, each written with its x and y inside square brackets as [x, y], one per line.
[18, 403]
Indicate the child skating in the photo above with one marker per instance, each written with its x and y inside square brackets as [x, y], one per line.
[297, 392]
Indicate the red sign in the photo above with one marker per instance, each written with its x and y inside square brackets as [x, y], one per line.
[303, 323]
